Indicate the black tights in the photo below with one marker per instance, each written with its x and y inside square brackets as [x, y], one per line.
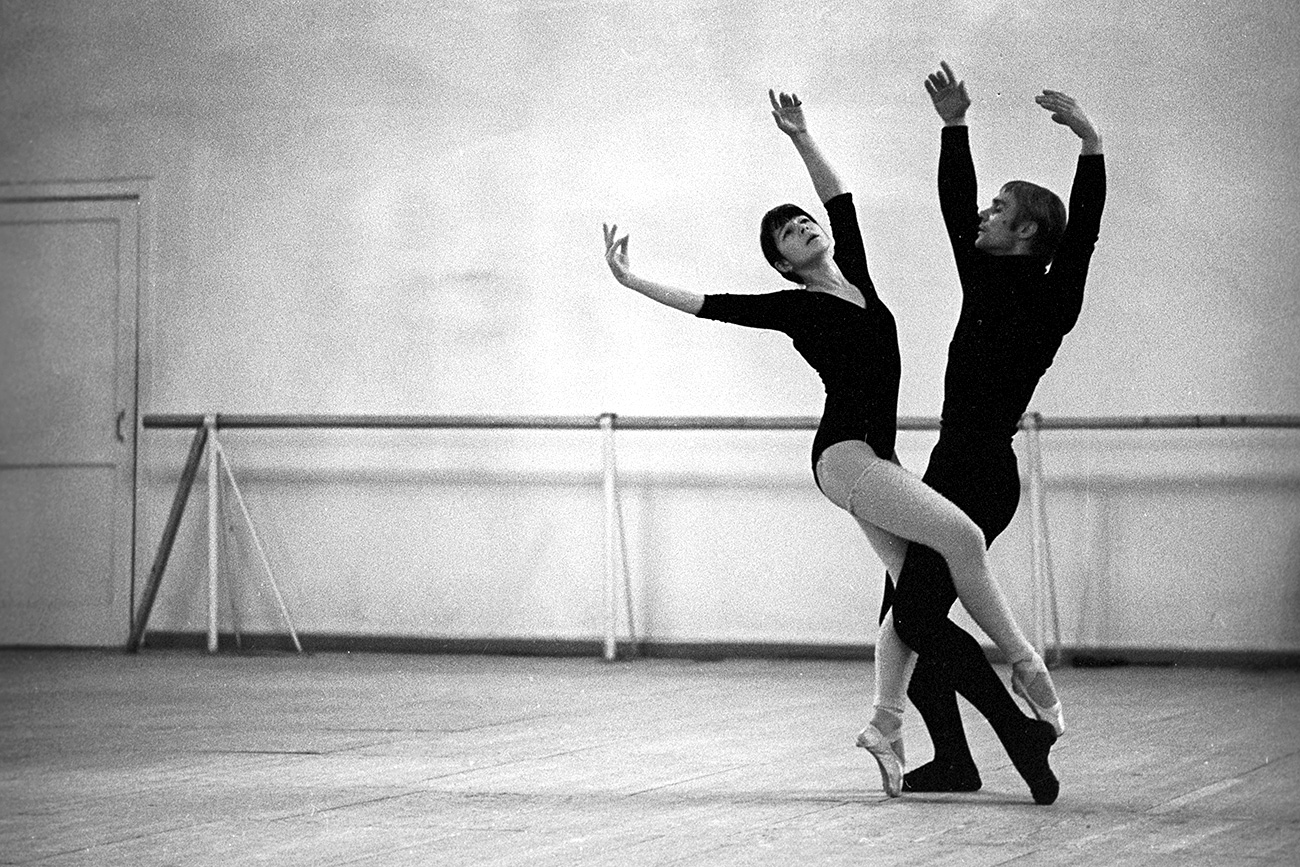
[985, 484]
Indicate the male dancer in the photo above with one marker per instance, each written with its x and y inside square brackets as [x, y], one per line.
[1022, 268]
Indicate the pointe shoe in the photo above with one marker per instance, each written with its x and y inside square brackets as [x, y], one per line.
[881, 747]
[1019, 685]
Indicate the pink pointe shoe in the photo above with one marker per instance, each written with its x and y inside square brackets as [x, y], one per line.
[881, 747]
[1021, 676]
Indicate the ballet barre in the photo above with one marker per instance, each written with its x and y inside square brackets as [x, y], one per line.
[617, 576]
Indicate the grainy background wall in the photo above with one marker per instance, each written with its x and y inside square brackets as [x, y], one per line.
[395, 207]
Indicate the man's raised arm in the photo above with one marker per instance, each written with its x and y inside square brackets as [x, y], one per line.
[957, 185]
[1087, 198]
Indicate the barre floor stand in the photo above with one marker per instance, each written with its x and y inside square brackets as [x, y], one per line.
[218, 467]
[188, 474]
[1040, 550]
[218, 462]
[616, 566]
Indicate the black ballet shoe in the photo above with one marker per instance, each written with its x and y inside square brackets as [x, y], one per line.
[939, 776]
[1028, 752]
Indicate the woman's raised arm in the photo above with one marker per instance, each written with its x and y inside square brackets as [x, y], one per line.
[788, 113]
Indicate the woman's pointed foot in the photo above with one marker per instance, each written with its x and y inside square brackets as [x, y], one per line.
[1031, 681]
[887, 750]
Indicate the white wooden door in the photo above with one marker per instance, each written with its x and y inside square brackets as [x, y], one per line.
[68, 360]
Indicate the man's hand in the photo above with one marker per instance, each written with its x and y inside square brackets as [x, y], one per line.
[788, 112]
[1066, 110]
[948, 94]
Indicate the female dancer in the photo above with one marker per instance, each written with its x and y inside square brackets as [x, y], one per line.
[840, 326]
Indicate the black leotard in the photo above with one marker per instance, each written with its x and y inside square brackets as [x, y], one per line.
[853, 349]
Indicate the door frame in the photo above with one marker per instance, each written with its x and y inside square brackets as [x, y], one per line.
[138, 192]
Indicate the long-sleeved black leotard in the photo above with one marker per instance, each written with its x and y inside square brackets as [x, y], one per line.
[853, 349]
[1015, 312]
[1015, 309]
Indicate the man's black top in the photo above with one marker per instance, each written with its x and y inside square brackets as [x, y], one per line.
[1015, 309]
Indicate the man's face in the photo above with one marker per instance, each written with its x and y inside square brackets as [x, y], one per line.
[997, 233]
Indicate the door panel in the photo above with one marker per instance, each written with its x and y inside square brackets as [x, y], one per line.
[67, 370]
[57, 588]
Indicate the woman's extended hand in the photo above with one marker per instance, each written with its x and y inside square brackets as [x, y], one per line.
[616, 258]
[616, 253]
[788, 112]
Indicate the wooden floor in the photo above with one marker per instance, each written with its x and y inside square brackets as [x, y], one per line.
[178, 758]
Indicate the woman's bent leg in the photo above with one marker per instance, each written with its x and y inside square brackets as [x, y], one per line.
[883, 494]
[887, 496]
[891, 550]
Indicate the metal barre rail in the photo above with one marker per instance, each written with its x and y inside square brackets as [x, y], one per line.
[206, 426]
[698, 422]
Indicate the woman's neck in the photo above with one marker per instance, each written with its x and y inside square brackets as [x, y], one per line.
[827, 277]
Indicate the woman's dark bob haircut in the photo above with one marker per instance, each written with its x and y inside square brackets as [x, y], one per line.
[773, 221]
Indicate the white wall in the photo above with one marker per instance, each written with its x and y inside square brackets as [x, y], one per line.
[395, 208]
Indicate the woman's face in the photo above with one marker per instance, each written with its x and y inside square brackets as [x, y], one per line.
[801, 241]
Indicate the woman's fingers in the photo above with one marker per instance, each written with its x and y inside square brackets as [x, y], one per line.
[612, 242]
[785, 100]
[614, 245]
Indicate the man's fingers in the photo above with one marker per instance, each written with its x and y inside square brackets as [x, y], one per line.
[771, 94]
[944, 79]
[1056, 97]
